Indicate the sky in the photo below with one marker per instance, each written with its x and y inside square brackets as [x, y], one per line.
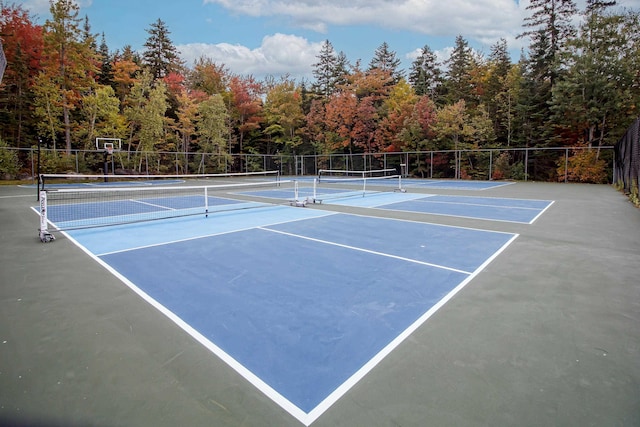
[283, 37]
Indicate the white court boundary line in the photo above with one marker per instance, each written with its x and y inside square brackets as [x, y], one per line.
[283, 402]
[326, 242]
[276, 397]
[374, 361]
[550, 203]
[434, 183]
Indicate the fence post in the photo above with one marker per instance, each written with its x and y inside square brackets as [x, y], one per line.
[526, 164]
[490, 165]
[431, 166]
[566, 164]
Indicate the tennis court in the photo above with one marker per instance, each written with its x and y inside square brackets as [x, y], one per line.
[524, 211]
[331, 314]
[293, 299]
[385, 196]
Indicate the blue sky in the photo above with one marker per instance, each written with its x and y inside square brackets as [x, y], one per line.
[277, 37]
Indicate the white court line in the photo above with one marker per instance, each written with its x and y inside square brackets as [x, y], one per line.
[541, 212]
[476, 204]
[452, 215]
[442, 185]
[225, 357]
[305, 418]
[326, 242]
[220, 233]
[156, 205]
[373, 362]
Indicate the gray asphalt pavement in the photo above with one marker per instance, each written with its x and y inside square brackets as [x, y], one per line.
[547, 335]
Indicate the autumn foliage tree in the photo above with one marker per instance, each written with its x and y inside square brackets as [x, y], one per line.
[577, 82]
[23, 46]
[69, 61]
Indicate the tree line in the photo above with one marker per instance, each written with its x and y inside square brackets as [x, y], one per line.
[577, 84]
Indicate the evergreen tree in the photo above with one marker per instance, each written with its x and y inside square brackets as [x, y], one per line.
[425, 75]
[495, 96]
[342, 69]
[385, 60]
[105, 76]
[550, 28]
[325, 70]
[587, 100]
[536, 94]
[161, 56]
[551, 20]
[458, 83]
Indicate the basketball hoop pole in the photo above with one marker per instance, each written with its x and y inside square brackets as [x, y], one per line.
[104, 164]
[107, 146]
[105, 168]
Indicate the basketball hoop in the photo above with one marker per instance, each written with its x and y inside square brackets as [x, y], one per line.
[109, 150]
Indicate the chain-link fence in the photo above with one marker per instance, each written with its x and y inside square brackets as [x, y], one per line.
[562, 164]
[626, 167]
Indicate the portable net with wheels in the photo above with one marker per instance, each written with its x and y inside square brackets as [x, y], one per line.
[333, 174]
[75, 208]
[332, 188]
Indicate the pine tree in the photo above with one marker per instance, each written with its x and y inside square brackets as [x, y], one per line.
[425, 75]
[536, 94]
[324, 70]
[551, 20]
[550, 28]
[458, 78]
[587, 99]
[385, 60]
[105, 76]
[496, 96]
[161, 56]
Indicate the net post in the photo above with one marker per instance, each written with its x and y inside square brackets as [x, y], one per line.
[43, 232]
[315, 189]
[206, 202]
[38, 170]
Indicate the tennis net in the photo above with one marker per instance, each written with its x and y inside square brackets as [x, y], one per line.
[352, 174]
[52, 181]
[76, 208]
[341, 188]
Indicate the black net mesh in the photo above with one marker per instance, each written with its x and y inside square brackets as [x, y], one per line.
[626, 166]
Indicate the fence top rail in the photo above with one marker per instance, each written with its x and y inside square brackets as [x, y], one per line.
[58, 150]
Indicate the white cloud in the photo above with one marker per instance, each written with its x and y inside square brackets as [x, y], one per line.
[41, 7]
[279, 54]
[36, 6]
[483, 20]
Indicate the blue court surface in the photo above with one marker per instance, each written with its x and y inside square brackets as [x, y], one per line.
[524, 211]
[301, 302]
[442, 184]
[490, 208]
[450, 184]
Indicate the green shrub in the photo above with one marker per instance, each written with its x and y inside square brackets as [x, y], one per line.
[9, 162]
[504, 169]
